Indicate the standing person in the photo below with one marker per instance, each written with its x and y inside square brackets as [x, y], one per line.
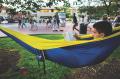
[54, 24]
[84, 24]
[48, 23]
[82, 19]
[23, 21]
[35, 22]
[75, 22]
[19, 21]
[57, 20]
[31, 22]
[105, 17]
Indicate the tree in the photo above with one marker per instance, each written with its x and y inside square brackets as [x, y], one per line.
[111, 6]
[66, 3]
[1, 1]
[101, 7]
[107, 4]
[32, 5]
[116, 6]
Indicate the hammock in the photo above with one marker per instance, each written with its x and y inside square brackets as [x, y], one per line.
[73, 54]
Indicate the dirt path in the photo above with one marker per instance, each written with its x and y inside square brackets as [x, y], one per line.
[8, 59]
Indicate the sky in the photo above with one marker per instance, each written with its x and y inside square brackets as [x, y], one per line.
[71, 2]
[85, 3]
[61, 3]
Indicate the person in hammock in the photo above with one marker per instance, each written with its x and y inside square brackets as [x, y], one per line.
[100, 29]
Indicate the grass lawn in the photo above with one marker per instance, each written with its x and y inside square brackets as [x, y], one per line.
[28, 60]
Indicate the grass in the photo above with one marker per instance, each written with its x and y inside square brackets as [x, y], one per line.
[28, 60]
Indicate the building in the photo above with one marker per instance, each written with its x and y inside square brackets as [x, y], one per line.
[3, 11]
[46, 12]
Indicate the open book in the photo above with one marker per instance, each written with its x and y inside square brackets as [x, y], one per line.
[69, 36]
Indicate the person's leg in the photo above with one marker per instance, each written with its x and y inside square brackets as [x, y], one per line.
[53, 27]
[24, 25]
[74, 26]
[31, 28]
[19, 24]
[35, 25]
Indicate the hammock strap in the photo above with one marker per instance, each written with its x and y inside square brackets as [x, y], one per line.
[43, 59]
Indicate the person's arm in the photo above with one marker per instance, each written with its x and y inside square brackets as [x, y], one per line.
[83, 37]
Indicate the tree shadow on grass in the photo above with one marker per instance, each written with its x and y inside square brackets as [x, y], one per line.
[106, 70]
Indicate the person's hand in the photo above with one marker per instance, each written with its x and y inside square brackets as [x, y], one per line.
[75, 35]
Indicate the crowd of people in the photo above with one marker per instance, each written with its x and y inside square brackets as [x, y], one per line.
[99, 29]
[52, 22]
[23, 19]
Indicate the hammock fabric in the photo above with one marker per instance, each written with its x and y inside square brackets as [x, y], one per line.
[68, 53]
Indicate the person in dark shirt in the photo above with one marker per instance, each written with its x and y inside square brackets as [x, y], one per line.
[74, 22]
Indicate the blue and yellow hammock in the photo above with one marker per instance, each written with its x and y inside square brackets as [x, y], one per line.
[73, 54]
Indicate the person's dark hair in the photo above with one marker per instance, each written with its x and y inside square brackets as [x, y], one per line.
[103, 27]
[73, 13]
[82, 16]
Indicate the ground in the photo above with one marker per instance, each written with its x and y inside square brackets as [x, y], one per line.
[8, 60]
[108, 70]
